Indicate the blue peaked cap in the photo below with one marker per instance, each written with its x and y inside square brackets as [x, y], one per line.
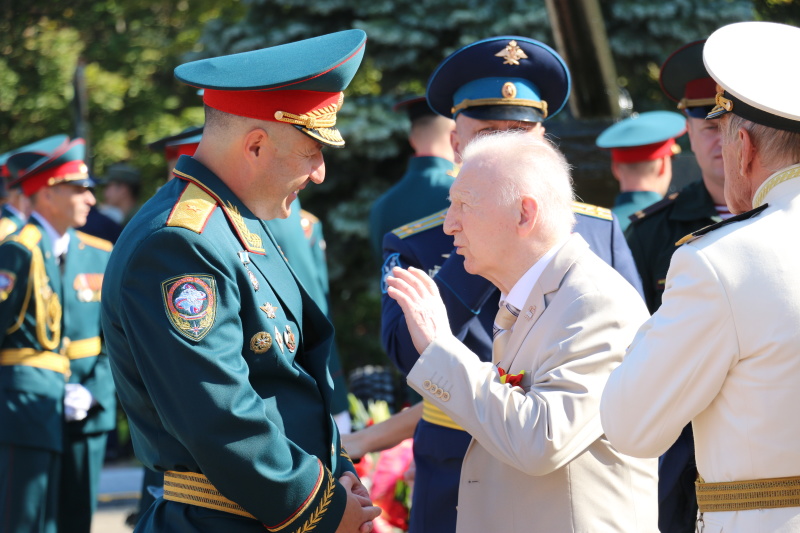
[501, 78]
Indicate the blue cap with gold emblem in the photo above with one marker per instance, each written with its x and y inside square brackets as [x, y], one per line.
[684, 78]
[643, 137]
[501, 78]
[299, 83]
[65, 164]
[756, 82]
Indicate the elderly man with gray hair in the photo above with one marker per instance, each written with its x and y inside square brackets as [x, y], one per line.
[538, 460]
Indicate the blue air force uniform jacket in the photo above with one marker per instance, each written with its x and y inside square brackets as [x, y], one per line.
[220, 360]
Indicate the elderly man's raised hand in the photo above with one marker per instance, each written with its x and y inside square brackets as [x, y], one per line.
[418, 297]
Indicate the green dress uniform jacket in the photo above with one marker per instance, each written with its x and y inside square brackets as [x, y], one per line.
[655, 230]
[85, 440]
[300, 240]
[32, 376]
[220, 358]
[9, 222]
[628, 203]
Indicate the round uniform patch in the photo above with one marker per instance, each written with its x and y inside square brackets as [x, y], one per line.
[392, 261]
[261, 342]
[7, 279]
[191, 304]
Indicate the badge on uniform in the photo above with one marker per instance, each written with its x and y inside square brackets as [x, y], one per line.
[392, 261]
[279, 338]
[269, 309]
[191, 304]
[88, 286]
[261, 342]
[288, 337]
[7, 279]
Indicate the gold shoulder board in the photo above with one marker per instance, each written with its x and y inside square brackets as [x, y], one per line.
[95, 242]
[428, 222]
[7, 227]
[591, 210]
[193, 209]
[29, 237]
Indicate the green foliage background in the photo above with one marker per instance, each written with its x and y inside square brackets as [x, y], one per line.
[128, 49]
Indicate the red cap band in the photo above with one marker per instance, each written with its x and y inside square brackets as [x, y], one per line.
[700, 88]
[263, 105]
[70, 171]
[648, 152]
[177, 150]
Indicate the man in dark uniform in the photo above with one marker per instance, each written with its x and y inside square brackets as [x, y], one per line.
[17, 207]
[36, 354]
[219, 354]
[652, 236]
[641, 149]
[499, 83]
[424, 187]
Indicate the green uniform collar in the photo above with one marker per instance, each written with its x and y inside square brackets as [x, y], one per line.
[694, 202]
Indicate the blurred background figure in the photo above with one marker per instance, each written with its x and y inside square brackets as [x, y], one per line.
[123, 184]
[641, 148]
[16, 207]
[424, 187]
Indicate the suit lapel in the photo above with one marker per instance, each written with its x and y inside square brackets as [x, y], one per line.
[540, 295]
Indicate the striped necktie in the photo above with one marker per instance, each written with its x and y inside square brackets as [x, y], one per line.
[503, 322]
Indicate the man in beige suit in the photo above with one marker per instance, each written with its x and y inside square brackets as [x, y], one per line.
[723, 350]
[538, 461]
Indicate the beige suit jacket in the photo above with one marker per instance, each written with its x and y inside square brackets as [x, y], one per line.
[538, 461]
[723, 351]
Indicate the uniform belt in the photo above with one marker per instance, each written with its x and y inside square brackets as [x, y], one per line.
[431, 413]
[38, 358]
[747, 495]
[192, 488]
[83, 348]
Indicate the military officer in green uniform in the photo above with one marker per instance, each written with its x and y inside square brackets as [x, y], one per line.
[17, 207]
[652, 237]
[35, 355]
[641, 149]
[219, 354]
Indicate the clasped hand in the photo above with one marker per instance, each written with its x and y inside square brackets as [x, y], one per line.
[418, 297]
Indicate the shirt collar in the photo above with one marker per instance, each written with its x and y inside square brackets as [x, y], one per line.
[16, 212]
[60, 243]
[523, 287]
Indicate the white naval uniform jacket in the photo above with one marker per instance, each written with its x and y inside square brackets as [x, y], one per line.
[723, 351]
[538, 461]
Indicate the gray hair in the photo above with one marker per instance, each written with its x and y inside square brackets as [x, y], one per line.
[776, 147]
[527, 165]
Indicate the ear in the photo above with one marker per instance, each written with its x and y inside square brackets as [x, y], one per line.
[615, 170]
[528, 215]
[662, 166]
[254, 143]
[456, 144]
[747, 153]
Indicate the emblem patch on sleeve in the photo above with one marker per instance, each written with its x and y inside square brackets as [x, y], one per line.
[191, 304]
[391, 262]
[7, 279]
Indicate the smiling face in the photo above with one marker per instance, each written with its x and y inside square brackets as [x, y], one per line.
[291, 161]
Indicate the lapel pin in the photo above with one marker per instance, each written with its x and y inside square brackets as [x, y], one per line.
[530, 311]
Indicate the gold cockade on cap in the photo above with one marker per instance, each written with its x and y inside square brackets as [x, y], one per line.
[511, 54]
[319, 118]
